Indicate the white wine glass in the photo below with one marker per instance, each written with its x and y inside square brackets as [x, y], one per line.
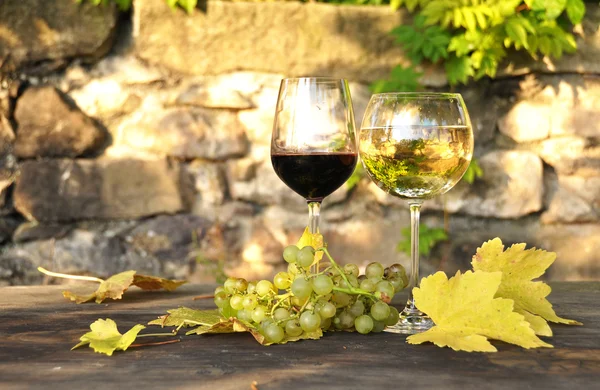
[313, 145]
[415, 146]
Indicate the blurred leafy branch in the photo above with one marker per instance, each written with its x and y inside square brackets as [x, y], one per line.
[471, 37]
[428, 238]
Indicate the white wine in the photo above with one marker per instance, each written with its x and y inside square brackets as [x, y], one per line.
[416, 162]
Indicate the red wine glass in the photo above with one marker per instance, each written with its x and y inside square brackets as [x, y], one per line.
[313, 147]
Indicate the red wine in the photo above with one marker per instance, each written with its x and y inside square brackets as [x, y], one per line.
[314, 176]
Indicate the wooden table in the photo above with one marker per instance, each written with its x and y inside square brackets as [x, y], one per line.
[38, 327]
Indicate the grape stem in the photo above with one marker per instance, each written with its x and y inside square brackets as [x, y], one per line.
[67, 276]
[351, 290]
[281, 299]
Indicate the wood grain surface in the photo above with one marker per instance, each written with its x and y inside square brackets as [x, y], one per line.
[38, 327]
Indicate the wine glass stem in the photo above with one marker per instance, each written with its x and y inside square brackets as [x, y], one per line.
[314, 214]
[415, 212]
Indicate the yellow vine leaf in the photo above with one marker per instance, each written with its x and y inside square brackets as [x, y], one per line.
[105, 337]
[519, 267]
[116, 285]
[311, 239]
[113, 288]
[466, 313]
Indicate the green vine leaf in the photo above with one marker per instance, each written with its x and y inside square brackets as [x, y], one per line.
[551, 8]
[401, 79]
[421, 41]
[517, 29]
[473, 172]
[575, 10]
[459, 69]
[428, 238]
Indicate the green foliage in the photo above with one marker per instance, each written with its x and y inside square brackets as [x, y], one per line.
[125, 5]
[421, 41]
[473, 172]
[401, 78]
[428, 238]
[471, 37]
[356, 176]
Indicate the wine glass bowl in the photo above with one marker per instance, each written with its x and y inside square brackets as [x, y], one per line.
[313, 148]
[415, 146]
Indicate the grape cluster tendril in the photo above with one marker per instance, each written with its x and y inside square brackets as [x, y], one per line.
[298, 301]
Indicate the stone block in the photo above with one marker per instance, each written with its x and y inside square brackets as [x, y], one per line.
[557, 105]
[67, 190]
[34, 31]
[48, 126]
[184, 132]
[281, 37]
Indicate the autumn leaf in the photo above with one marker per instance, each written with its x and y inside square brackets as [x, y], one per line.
[105, 337]
[466, 313]
[113, 288]
[311, 239]
[186, 317]
[116, 285]
[519, 267]
[148, 283]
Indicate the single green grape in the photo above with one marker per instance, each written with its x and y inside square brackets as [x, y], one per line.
[341, 299]
[322, 284]
[310, 321]
[290, 253]
[374, 270]
[327, 310]
[259, 314]
[236, 302]
[281, 313]
[351, 269]
[250, 302]
[301, 287]
[367, 285]
[380, 311]
[264, 287]
[343, 320]
[251, 288]
[241, 285]
[292, 328]
[305, 256]
[325, 323]
[397, 282]
[221, 299]
[274, 333]
[396, 269]
[341, 283]
[392, 318]
[378, 326]
[385, 287]
[299, 302]
[244, 315]
[229, 285]
[353, 280]
[357, 308]
[282, 280]
[219, 289]
[363, 324]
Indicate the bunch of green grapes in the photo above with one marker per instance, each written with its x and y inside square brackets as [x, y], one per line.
[298, 301]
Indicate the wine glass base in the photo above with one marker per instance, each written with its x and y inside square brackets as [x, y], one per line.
[411, 321]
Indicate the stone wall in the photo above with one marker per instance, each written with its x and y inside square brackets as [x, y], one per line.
[141, 141]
